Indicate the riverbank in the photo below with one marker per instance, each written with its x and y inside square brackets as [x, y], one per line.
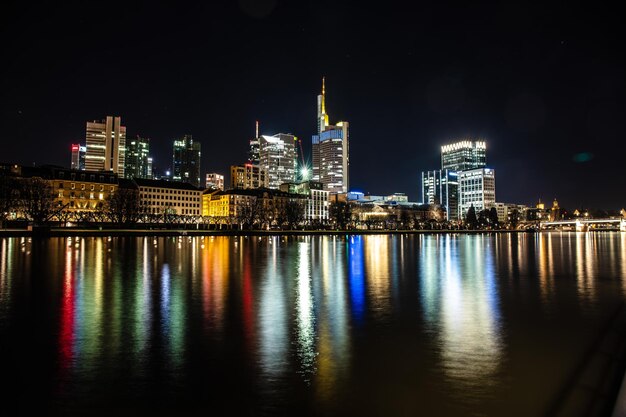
[62, 232]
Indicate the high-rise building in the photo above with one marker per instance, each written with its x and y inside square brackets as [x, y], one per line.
[106, 145]
[78, 157]
[477, 187]
[186, 160]
[464, 155]
[330, 148]
[214, 180]
[441, 187]
[247, 176]
[253, 153]
[138, 163]
[277, 156]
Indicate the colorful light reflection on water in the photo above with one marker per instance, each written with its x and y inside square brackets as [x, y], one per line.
[368, 325]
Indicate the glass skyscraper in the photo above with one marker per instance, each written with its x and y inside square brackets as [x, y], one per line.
[277, 156]
[138, 162]
[186, 160]
[442, 187]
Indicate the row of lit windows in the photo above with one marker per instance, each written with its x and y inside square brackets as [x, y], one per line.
[168, 191]
[167, 204]
[82, 187]
[92, 196]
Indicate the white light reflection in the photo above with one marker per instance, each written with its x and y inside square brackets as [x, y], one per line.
[468, 317]
[305, 314]
[273, 316]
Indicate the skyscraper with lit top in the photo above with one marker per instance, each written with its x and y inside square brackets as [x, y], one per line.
[464, 155]
[330, 148]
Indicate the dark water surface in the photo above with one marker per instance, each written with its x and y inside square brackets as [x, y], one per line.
[330, 325]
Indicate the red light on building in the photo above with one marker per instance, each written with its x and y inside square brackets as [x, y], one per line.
[75, 147]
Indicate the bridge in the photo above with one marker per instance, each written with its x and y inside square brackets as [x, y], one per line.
[583, 225]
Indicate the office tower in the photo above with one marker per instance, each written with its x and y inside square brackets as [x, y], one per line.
[214, 180]
[464, 155]
[330, 148]
[441, 187]
[477, 187]
[78, 157]
[253, 153]
[186, 161]
[277, 156]
[138, 163]
[106, 145]
[248, 176]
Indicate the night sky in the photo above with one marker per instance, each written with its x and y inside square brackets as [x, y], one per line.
[543, 85]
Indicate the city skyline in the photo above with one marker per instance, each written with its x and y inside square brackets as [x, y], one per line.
[544, 88]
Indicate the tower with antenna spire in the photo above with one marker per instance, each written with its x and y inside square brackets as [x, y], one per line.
[330, 149]
[253, 153]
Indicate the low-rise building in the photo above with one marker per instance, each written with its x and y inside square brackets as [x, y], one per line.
[317, 199]
[170, 197]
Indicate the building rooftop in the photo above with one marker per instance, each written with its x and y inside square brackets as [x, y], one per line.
[166, 184]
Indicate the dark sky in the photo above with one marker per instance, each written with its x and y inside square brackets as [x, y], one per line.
[544, 85]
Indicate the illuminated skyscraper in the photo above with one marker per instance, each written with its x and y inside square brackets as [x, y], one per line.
[330, 148]
[186, 160]
[78, 157]
[253, 153]
[106, 145]
[464, 155]
[442, 187]
[278, 158]
[138, 163]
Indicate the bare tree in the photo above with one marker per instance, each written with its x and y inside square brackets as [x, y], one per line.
[123, 207]
[294, 212]
[9, 196]
[37, 200]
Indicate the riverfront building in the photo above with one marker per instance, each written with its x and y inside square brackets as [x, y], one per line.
[168, 197]
[106, 145]
[477, 188]
[186, 161]
[317, 199]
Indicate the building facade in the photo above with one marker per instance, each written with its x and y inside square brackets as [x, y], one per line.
[277, 155]
[78, 157]
[330, 149]
[138, 161]
[168, 197]
[477, 188]
[317, 203]
[442, 187]
[464, 155]
[186, 160]
[247, 176]
[214, 180]
[106, 145]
